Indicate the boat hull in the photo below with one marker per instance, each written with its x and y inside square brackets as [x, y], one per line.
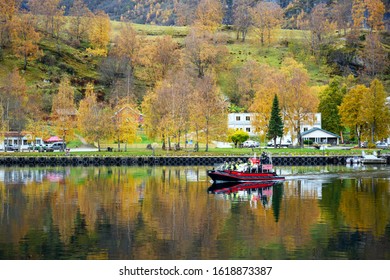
[236, 176]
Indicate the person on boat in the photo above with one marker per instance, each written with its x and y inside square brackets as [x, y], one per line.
[249, 166]
[225, 165]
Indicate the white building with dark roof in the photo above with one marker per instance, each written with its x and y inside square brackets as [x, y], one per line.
[243, 121]
[320, 136]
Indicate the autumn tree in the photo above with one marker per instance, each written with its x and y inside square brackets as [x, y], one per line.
[208, 15]
[125, 122]
[342, 12]
[203, 52]
[79, 20]
[321, 27]
[165, 109]
[330, 100]
[351, 110]
[64, 112]
[94, 120]
[275, 126]
[185, 12]
[358, 10]
[127, 44]
[208, 110]
[376, 11]
[270, 83]
[248, 81]
[160, 56]
[374, 56]
[99, 33]
[266, 17]
[237, 136]
[242, 18]
[25, 39]
[14, 101]
[37, 127]
[376, 112]
[51, 13]
[298, 101]
[8, 11]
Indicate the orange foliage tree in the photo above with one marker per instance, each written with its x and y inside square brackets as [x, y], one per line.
[64, 112]
[25, 39]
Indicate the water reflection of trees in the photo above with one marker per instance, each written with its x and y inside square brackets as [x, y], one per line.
[165, 212]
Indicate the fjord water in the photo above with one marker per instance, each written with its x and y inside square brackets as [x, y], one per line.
[140, 213]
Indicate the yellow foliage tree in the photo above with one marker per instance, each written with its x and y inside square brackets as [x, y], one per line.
[159, 57]
[208, 110]
[376, 11]
[358, 9]
[14, 100]
[8, 10]
[99, 34]
[25, 39]
[80, 16]
[297, 100]
[166, 108]
[64, 112]
[126, 121]
[270, 84]
[266, 17]
[376, 112]
[209, 15]
[94, 121]
[351, 110]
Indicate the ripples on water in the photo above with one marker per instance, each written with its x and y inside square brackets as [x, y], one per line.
[319, 212]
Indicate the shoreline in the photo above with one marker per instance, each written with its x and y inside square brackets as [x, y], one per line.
[74, 160]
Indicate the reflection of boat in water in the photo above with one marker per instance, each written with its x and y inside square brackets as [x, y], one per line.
[254, 170]
[232, 187]
[253, 192]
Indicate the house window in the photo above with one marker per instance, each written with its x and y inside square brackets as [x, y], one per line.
[248, 129]
[305, 129]
[238, 118]
[248, 118]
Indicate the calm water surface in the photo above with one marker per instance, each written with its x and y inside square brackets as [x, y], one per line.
[322, 212]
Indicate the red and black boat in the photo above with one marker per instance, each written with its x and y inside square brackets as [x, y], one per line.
[256, 169]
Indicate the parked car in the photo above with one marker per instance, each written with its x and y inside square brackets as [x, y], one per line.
[251, 144]
[278, 144]
[39, 148]
[60, 146]
[11, 148]
[382, 145]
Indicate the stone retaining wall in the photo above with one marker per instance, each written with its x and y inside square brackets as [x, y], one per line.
[168, 161]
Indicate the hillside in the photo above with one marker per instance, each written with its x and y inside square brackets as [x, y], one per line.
[60, 57]
[166, 12]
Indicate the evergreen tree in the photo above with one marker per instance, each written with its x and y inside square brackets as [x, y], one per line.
[275, 127]
[330, 100]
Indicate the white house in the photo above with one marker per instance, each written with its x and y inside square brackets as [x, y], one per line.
[16, 139]
[320, 136]
[243, 121]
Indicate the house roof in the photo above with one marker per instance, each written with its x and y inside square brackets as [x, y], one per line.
[316, 129]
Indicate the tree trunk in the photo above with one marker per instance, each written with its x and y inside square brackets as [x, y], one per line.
[163, 143]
